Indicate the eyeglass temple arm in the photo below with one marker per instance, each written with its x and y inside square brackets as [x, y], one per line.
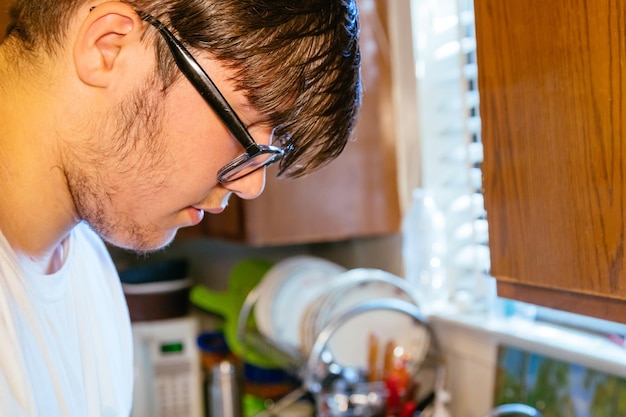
[205, 86]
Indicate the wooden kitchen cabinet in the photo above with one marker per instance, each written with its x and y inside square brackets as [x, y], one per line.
[354, 196]
[4, 17]
[552, 81]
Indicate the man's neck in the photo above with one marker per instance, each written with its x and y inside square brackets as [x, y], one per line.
[36, 208]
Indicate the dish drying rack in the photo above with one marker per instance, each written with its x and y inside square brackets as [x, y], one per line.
[303, 367]
[290, 360]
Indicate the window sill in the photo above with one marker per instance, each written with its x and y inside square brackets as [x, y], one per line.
[595, 351]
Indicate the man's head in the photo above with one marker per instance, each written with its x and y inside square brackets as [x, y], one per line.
[296, 61]
[134, 141]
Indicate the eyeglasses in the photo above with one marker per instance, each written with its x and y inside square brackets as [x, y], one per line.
[256, 156]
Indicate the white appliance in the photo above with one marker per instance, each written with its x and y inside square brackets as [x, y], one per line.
[167, 369]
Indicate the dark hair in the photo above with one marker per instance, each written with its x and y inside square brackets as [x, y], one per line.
[297, 61]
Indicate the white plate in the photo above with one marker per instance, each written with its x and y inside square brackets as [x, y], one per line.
[398, 327]
[286, 291]
[349, 289]
[349, 344]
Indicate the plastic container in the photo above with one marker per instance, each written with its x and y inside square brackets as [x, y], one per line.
[157, 291]
[213, 349]
[268, 383]
[424, 251]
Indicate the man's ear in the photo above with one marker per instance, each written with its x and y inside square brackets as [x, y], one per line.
[106, 31]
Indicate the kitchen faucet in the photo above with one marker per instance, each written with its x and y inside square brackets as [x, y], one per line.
[514, 409]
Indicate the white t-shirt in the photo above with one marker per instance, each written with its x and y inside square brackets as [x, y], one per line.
[65, 338]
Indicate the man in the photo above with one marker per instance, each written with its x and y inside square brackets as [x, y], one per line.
[126, 121]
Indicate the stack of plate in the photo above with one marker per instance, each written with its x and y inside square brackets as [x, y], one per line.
[347, 291]
[284, 294]
[300, 296]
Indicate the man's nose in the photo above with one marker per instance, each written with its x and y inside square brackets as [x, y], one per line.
[250, 186]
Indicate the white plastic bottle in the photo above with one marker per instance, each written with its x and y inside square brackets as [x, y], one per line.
[424, 250]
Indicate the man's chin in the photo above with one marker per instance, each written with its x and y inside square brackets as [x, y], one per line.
[144, 244]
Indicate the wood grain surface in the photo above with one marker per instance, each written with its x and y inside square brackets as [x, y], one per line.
[552, 86]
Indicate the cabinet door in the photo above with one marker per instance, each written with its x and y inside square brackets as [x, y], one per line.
[552, 83]
[4, 17]
[354, 196]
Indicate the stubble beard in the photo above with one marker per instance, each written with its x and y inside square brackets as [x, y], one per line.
[96, 192]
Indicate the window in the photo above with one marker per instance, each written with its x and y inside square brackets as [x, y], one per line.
[434, 55]
[440, 42]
